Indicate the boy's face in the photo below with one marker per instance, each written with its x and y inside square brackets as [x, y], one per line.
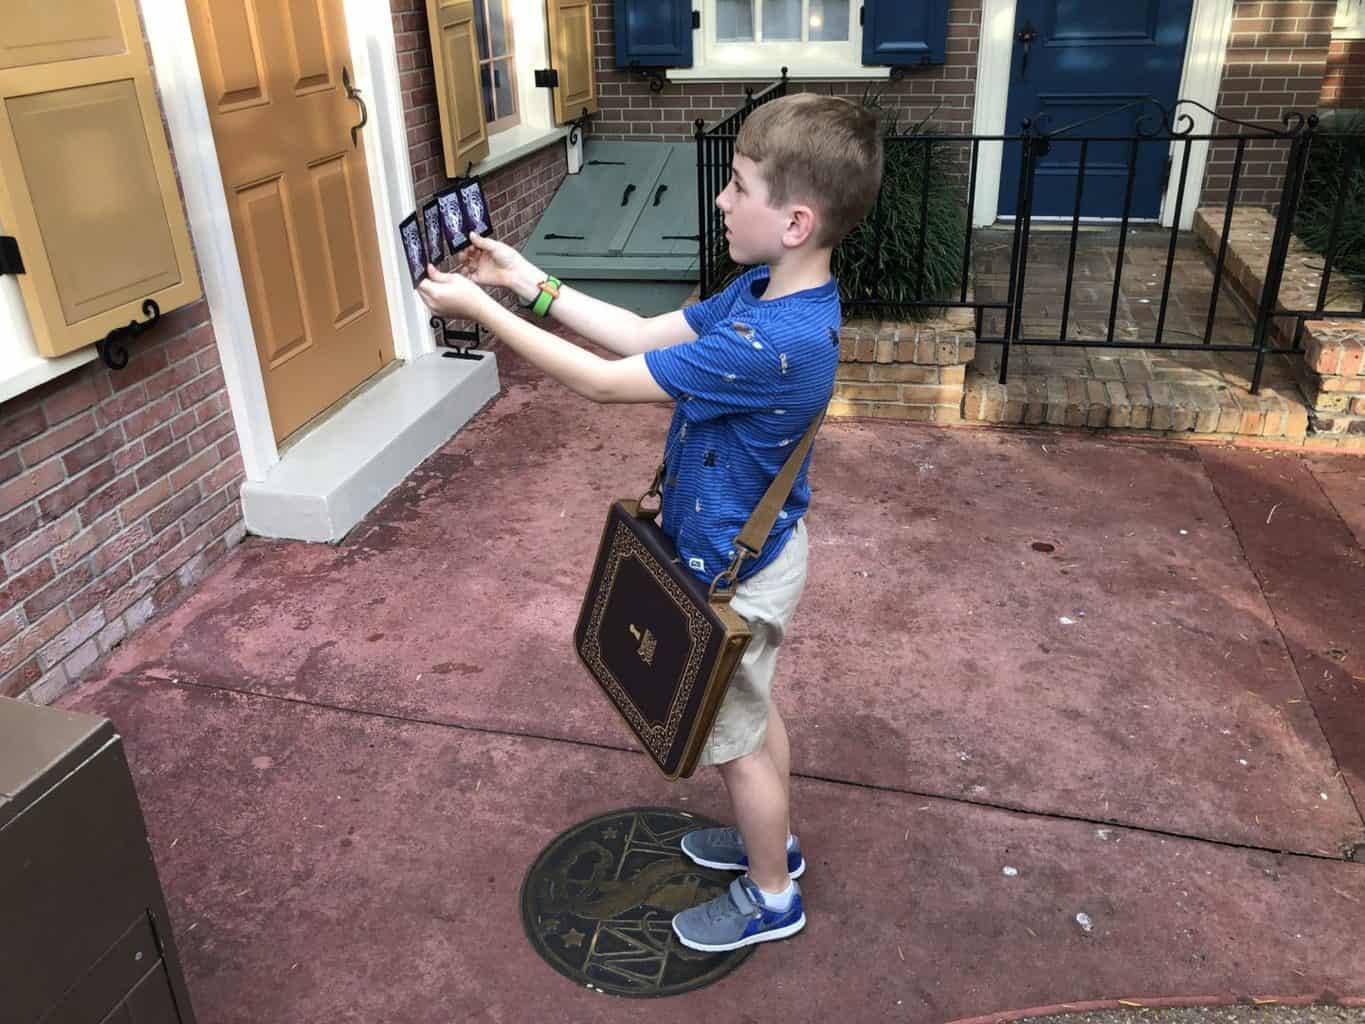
[757, 232]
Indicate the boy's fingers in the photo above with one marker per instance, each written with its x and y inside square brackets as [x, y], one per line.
[480, 241]
[436, 275]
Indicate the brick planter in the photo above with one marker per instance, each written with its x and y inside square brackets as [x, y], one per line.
[1332, 373]
[904, 370]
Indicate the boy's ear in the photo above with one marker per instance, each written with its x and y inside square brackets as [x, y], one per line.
[800, 226]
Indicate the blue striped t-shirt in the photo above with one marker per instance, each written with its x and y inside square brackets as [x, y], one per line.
[746, 390]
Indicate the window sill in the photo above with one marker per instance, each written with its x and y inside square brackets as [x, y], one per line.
[752, 72]
[20, 374]
[515, 143]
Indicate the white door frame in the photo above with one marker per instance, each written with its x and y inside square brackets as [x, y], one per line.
[1200, 78]
[374, 68]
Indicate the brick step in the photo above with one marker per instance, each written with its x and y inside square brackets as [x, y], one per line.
[1134, 405]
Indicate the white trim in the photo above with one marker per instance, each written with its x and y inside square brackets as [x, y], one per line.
[1201, 76]
[1349, 22]
[375, 73]
[714, 60]
[809, 72]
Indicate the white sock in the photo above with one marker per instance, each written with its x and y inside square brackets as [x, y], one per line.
[779, 900]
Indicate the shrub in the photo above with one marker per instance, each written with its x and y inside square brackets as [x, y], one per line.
[1324, 179]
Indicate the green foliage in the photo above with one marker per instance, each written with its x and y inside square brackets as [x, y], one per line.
[880, 258]
[1324, 180]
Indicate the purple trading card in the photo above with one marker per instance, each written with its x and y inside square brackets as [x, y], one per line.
[411, 235]
[475, 207]
[431, 222]
[452, 219]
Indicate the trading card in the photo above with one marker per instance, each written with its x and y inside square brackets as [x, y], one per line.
[431, 221]
[411, 235]
[475, 207]
[452, 219]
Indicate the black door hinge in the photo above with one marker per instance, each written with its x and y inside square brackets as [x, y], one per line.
[1165, 178]
[10, 260]
[696, 19]
[862, 15]
[547, 78]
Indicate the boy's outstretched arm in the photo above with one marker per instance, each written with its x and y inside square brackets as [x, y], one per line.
[496, 264]
[595, 378]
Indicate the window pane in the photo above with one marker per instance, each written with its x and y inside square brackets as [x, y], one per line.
[497, 27]
[735, 20]
[486, 81]
[504, 99]
[481, 28]
[781, 19]
[828, 20]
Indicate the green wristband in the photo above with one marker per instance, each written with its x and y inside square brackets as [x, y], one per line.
[549, 291]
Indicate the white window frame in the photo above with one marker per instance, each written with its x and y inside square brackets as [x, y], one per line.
[530, 42]
[713, 60]
[1350, 20]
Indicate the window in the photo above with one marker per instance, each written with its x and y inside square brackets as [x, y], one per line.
[497, 64]
[815, 38]
[1350, 20]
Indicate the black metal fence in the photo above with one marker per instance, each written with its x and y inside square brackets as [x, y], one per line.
[1036, 151]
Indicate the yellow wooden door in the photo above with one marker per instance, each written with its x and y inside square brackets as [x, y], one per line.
[298, 195]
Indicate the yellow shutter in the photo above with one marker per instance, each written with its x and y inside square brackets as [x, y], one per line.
[86, 184]
[569, 25]
[455, 54]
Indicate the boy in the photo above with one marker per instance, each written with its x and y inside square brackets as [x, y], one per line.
[749, 369]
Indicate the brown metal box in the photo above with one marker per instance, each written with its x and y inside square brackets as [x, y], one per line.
[84, 933]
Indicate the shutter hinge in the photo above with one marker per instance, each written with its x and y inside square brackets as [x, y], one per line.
[696, 19]
[547, 78]
[862, 15]
[10, 260]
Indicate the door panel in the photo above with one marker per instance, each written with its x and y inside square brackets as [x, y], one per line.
[298, 195]
[1084, 60]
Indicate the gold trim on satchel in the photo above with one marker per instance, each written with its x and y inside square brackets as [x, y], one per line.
[661, 645]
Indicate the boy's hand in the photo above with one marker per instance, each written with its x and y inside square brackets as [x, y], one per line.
[451, 295]
[495, 264]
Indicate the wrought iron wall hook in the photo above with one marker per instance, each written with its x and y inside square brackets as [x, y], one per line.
[655, 76]
[455, 351]
[578, 127]
[111, 349]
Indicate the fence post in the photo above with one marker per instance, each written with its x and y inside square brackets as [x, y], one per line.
[1300, 139]
[1023, 208]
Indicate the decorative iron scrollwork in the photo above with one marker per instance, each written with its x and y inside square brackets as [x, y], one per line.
[456, 351]
[111, 349]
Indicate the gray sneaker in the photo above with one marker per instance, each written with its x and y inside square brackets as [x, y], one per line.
[723, 848]
[737, 918]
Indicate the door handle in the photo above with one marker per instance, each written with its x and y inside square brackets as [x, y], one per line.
[626, 198]
[352, 93]
[659, 194]
[1026, 35]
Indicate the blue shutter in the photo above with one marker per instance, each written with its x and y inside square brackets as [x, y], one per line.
[904, 32]
[654, 33]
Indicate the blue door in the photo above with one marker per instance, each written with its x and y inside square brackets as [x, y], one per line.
[1075, 60]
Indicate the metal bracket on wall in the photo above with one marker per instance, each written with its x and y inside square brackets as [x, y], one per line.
[10, 260]
[655, 76]
[110, 347]
[577, 128]
[456, 351]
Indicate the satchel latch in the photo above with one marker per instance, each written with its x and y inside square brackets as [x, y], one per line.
[742, 551]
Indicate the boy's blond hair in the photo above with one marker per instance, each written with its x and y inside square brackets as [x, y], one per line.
[821, 150]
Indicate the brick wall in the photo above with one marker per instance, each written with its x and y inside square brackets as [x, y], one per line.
[629, 111]
[118, 489]
[518, 193]
[1276, 61]
[1343, 86]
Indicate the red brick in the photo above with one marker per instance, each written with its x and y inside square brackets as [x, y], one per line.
[173, 510]
[18, 526]
[31, 640]
[89, 453]
[75, 397]
[21, 425]
[24, 488]
[146, 557]
[163, 464]
[150, 416]
[148, 498]
[75, 491]
[107, 499]
[54, 441]
[38, 544]
[101, 590]
[58, 591]
[20, 679]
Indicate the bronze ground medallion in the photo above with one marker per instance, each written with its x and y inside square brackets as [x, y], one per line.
[598, 904]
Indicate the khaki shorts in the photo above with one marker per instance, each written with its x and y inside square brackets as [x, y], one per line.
[767, 602]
